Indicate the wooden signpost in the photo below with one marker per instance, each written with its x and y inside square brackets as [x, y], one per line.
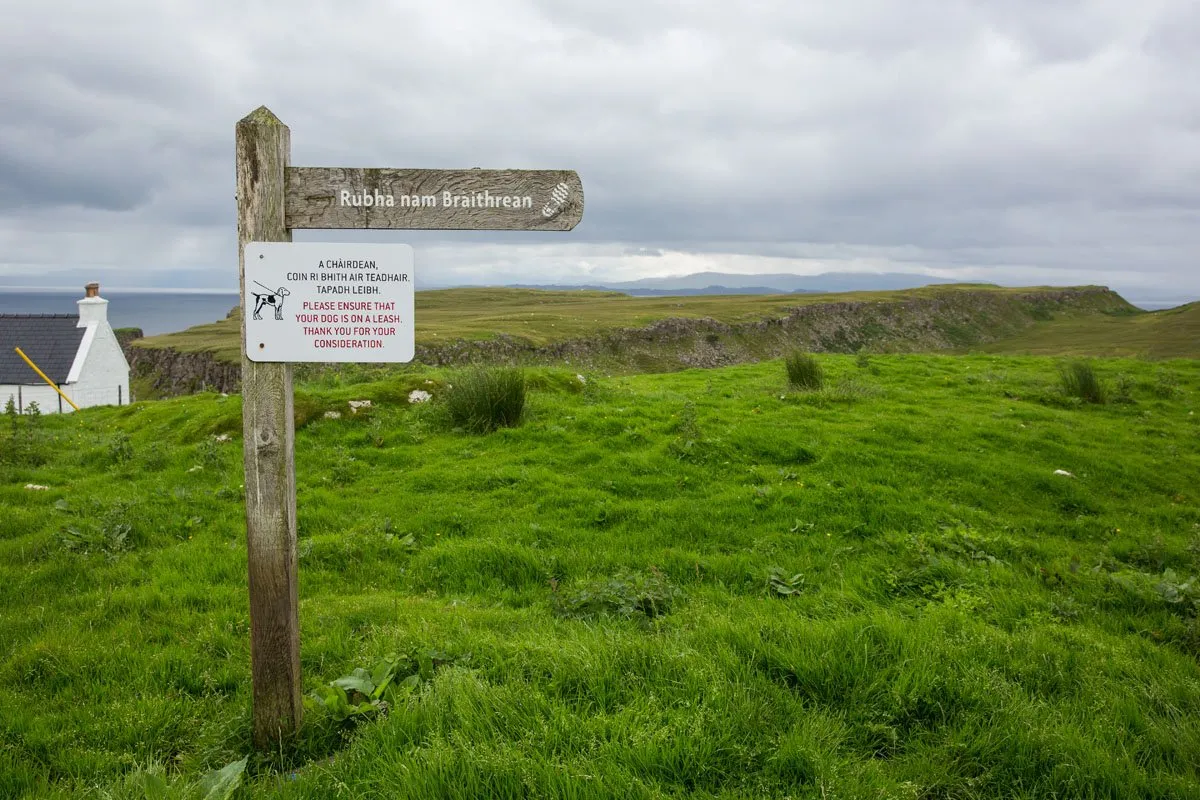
[273, 198]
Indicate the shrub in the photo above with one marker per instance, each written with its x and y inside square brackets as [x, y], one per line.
[361, 693]
[120, 448]
[23, 442]
[1079, 380]
[99, 530]
[1166, 385]
[628, 595]
[803, 371]
[783, 585]
[1124, 390]
[483, 399]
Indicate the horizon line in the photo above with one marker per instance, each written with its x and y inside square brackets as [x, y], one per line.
[120, 290]
[439, 286]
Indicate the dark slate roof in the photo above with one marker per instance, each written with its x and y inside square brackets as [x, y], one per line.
[50, 340]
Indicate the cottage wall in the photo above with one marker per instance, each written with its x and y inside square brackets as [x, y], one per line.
[47, 398]
[104, 378]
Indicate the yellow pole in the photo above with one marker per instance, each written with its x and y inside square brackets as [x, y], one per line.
[47, 380]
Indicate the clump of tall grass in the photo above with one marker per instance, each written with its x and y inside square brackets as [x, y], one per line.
[803, 371]
[483, 399]
[1079, 380]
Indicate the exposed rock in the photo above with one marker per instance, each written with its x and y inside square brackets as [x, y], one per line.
[127, 335]
[177, 373]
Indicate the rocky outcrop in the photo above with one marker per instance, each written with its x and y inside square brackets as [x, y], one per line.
[126, 336]
[949, 320]
[173, 372]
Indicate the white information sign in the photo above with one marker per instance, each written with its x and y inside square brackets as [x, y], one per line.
[329, 302]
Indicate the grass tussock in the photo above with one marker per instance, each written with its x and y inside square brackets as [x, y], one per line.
[1079, 380]
[482, 399]
[804, 371]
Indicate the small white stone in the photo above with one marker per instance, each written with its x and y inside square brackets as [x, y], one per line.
[222, 437]
[1064, 473]
[196, 468]
[419, 396]
[37, 487]
[355, 405]
[581, 379]
[333, 415]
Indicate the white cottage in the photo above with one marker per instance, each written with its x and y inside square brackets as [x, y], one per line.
[79, 354]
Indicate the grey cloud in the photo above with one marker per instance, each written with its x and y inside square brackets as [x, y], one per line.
[997, 135]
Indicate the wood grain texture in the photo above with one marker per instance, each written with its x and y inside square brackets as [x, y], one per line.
[263, 146]
[315, 199]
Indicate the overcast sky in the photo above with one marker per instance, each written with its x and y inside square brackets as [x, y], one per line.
[1015, 141]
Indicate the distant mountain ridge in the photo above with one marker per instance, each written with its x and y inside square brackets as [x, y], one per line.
[639, 292]
[709, 283]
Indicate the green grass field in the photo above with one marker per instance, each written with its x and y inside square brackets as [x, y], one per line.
[1170, 333]
[541, 317]
[700, 584]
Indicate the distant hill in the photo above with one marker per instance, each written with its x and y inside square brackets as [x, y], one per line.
[672, 292]
[1170, 333]
[717, 283]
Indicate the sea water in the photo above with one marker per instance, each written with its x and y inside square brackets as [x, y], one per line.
[153, 312]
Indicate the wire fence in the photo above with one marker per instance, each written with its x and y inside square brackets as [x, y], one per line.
[108, 396]
[48, 402]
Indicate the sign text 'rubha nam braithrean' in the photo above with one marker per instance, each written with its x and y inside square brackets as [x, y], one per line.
[327, 302]
[433, 199]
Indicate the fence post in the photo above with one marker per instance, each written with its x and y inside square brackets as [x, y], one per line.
[263, 146]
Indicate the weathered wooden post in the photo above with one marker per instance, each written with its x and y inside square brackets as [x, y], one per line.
[344, 303]
[268, 430]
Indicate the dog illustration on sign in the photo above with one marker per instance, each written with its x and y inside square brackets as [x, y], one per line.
[272, 297]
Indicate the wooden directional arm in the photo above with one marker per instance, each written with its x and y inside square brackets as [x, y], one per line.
[434, 199]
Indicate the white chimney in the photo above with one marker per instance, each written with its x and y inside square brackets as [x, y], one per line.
[93, 307]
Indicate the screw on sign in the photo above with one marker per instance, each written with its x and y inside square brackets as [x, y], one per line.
[275, 198]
